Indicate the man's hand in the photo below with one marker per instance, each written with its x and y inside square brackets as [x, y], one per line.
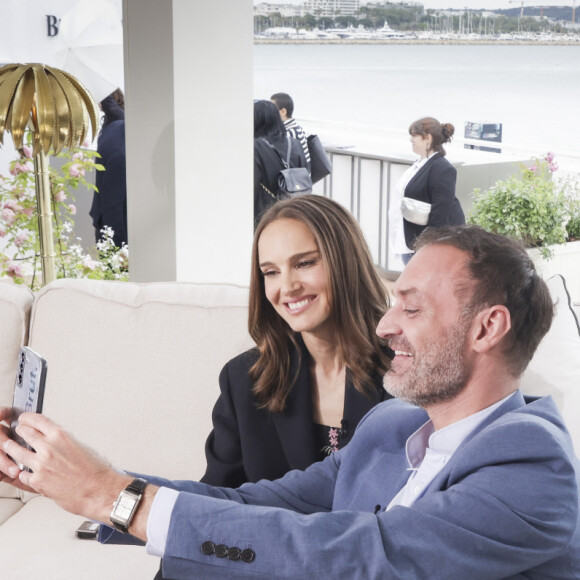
[63, 469]
[9, 471]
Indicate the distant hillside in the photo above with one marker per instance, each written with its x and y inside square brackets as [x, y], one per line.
[552, 12]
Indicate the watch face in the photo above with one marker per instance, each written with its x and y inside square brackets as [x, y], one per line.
[124, 506]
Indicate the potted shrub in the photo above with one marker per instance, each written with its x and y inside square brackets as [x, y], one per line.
[542, 211]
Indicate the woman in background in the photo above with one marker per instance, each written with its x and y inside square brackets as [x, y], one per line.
[270, 145]
[109, 208]
[429, 181]
[315, 301]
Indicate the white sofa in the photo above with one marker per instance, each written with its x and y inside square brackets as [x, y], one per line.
[132, 372]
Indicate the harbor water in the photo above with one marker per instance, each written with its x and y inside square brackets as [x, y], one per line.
[365, 95]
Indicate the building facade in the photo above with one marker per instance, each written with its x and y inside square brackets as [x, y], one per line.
[331, 7]
[286, 10]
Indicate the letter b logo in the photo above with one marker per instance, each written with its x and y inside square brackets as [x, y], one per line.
[51, 25]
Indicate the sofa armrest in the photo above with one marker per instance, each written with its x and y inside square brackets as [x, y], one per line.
[15, 306]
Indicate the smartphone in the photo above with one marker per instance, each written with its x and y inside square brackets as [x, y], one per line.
[88, 530]
[28, 390]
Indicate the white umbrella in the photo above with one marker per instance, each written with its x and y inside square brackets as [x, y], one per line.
[91, 38]
[83, 38]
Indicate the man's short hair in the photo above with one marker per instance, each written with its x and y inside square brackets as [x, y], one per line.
[284, 101]
[503, 273]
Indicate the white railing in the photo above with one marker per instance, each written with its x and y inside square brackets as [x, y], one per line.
[363, 183]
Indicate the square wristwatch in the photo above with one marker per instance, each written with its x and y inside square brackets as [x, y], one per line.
[127, 503]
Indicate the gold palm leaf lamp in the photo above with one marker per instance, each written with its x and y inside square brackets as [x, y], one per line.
[58, 110]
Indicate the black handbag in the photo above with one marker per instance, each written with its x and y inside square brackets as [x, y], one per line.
[294, 181]
[320, 164]
[291, 180]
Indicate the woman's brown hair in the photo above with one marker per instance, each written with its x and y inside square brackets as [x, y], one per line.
[358, 301]
[440, 132]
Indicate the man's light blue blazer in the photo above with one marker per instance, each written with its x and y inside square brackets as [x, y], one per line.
[506, 505]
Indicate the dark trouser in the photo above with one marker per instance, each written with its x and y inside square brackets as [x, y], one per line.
[159, 575]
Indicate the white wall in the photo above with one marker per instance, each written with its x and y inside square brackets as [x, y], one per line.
[189, 128]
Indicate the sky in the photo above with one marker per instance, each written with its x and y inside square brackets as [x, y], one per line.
[472, 4]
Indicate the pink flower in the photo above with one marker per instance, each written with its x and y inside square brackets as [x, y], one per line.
[2, 233]
[554, 166]
[79, 155]
[28, 211]
[72, 208]
[14, 271]
[27, 152]
[60, 196]
[534, 168]
[333, 439]
[8, 215]
[21, 239]
[19, 168]
[11, 203]
[549, 157]
[76, 171]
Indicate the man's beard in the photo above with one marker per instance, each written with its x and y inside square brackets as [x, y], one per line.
[438, 374]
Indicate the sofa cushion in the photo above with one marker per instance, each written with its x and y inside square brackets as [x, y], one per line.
[8, 507]
[133, 368]
[15, 305]
[555, 368]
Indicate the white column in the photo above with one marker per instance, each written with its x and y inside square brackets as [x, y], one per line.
[189, 116]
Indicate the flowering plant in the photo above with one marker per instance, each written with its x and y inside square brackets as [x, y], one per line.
[113, 263]
[532, 206]
[19, 235]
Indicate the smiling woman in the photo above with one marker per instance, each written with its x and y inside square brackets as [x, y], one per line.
[315, 301]
[295, 278]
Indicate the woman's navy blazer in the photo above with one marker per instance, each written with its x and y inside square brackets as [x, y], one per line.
[434, 183]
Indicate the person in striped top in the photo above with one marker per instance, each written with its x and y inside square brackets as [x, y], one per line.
[285, 105]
